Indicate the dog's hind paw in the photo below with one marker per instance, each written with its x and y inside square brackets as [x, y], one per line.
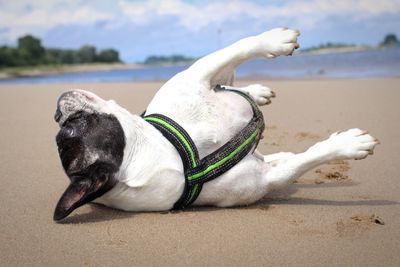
[278, 42]
[261, 94]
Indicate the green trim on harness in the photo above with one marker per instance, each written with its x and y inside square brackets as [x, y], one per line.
[199, 171]
[180, 136]
[222, 161]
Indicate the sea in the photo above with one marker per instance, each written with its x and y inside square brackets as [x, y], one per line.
[379, 63]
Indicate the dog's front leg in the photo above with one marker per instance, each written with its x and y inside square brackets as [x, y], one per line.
[273, 43]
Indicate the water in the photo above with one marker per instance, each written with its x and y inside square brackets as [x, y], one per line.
[363, 64]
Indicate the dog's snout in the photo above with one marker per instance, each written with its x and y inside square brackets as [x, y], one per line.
[73, 95]
[78, 93]
[73, 101]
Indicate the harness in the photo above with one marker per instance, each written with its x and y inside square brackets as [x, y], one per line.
[199, 171]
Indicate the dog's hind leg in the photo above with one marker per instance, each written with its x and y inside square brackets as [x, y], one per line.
[351, 144]
[270, 44]
[218, 68]
[261, 94]
[272, 157]
[256, 175]
[226, 78]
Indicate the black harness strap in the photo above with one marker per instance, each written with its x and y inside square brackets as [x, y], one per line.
[197, 171]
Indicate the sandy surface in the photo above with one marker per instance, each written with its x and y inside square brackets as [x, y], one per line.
[341, 214]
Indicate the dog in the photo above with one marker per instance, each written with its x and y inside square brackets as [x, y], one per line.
[120, 160]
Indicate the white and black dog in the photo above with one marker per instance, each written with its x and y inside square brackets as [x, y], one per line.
[120, 160]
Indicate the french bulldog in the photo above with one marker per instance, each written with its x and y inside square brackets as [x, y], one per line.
[120, 160]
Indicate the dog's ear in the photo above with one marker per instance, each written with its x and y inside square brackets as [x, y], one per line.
[73, 197]
[85, 188]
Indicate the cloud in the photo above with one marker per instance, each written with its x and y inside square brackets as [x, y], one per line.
[192, 27]
[190, 16]
[24, 17]
[303, 13]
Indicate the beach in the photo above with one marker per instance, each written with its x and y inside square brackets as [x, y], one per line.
[345, 213]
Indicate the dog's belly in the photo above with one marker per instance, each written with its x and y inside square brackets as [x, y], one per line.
[210, 120]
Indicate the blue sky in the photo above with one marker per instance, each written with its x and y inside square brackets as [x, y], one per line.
[140, 28]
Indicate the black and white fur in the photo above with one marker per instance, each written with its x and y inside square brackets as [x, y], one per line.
[116, 158]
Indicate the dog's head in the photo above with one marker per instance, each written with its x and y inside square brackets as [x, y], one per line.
[91, 144]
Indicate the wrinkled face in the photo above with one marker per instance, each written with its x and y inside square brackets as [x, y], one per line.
[91, 144]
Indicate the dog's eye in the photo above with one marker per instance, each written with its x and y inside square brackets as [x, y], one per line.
[68, 131]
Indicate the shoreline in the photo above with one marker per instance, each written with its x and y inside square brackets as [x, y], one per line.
[14, 73]
[238, 80]
[339, 50]
[48, 70]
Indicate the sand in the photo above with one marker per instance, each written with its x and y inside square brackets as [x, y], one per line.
[341, 214]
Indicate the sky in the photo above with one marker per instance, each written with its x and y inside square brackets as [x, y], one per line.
[138, 28]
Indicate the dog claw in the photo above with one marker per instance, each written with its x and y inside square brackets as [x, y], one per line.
[363, 133]
[273, 94]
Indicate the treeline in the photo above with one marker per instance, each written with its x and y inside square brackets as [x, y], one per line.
[389, 40]
[173, 59]
[327, 45]
[30, 52]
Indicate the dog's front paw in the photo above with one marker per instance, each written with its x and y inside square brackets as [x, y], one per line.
[351, 144]
[261, 94]
[277, 42]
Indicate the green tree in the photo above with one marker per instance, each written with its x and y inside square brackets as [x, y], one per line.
[53, 56]
[30, 50]
[390, 40]
[8, 56]
[69, 57]
[86, 54]
[108, 56]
